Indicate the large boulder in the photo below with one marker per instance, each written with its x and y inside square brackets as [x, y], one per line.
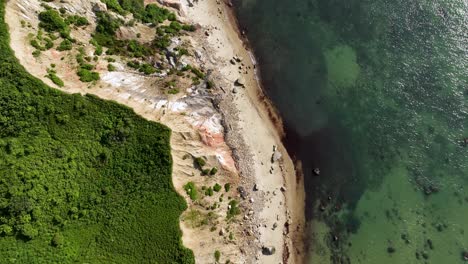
[268, 250]
[239, 82]
[276, 156]
[242, 192]
[99, 7]
[171, 3]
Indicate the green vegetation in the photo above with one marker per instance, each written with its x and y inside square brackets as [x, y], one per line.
[82, 180]
[114, 5]
[156, 15]
[200, 162]
[195, 218]
[147, 69]
[110, 67]
[217, 187]
[213, 171]
[52, 75]
[197, 73]
[209, 191]
[65, 45]
[52, 21]
[87, 75]
[217, 255]
[85, 69]
[233, 209]
[41, 43]
[227, 187]
[76, 20]
[191, 190]
[173, 91]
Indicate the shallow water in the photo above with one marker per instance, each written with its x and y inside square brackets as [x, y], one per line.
[375, 94]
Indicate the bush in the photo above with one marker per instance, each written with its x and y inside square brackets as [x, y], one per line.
[98, 50]
[55, 79]
[114, 5]
[227, 187]
[209, 191]
[162, 42]
[155, 14]
[213, 171]
[217, 187]
[36, 45]
[189, 27]
[197, 73]
[51, 21]
[233, 209]
[133, 64]
[173, 91]
[176, 26]
[147, 69]
[87, 75]
[200, 162]
[110, 67]
[65, 45]
[191, 190]
[76, 20]
[217, 255]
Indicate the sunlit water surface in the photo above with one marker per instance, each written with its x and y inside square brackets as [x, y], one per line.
[375, 94]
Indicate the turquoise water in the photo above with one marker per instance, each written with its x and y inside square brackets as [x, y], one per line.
[375, 94]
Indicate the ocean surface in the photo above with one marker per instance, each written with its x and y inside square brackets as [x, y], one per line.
[374, 93]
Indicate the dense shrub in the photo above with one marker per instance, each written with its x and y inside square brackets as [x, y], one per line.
[147, 69]
[114, 5]
[65, 45]
[52, 21]
[87, 75]
[82, 180]
[76, 20]
[217, 187]
[155, 14]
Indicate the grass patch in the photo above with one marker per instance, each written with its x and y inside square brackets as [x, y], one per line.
[191, 190]
[51, 74]
[82, 180]
[233, 209]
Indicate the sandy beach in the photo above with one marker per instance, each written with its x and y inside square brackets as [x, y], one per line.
[234, 126]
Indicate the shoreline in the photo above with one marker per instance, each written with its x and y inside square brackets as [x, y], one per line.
[269, 114]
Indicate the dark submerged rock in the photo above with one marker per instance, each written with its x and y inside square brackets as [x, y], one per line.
[391, 250]
[465, 255]
[316, 171]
